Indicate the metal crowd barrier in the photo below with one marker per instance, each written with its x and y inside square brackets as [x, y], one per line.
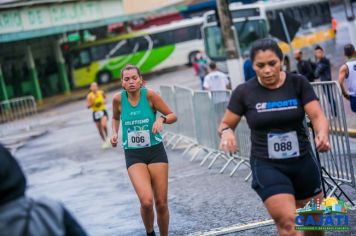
[18, 114]
[199, 114]
[171, 131]
[337, 161]
[183, 100]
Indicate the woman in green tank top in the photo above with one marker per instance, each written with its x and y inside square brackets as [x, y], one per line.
[146, 159]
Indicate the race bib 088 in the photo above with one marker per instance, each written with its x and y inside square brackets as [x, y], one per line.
[283, 145]
[137, 139]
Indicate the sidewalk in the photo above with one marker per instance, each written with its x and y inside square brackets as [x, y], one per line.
[79, 94]
[75, 95]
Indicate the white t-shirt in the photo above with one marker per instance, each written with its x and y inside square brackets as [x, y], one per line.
[215, 80]
[351, 79]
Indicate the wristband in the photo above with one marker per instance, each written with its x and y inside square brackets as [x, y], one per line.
[164, 118]
[224, 129]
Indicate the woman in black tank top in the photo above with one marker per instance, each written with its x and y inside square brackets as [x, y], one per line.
[285, 174]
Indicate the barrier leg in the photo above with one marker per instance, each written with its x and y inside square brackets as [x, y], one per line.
[236, 167]
[177, 142]
[248, 176]
[171, 140]
[195, 154]
[226, 164]
[214, 160]
[206, 158]
[188, 148]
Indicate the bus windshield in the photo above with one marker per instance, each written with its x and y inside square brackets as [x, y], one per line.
[247, 32]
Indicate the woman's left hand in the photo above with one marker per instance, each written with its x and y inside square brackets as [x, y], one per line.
[322, 142]
[157, 126]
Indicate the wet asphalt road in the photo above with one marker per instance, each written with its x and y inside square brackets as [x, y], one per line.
[68, 164]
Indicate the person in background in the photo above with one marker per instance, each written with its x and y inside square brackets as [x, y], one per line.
[215, 80]
[334, 25]
[347, 73]
[323, 71]
[96, 100]
[23, 216]
[202, 67]
[304, 67]
[249, 72]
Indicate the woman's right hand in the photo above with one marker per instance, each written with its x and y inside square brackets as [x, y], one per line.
[114, 140]
[228, 141]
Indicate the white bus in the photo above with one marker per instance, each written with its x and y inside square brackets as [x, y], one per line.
[151, 49]
[255, 21]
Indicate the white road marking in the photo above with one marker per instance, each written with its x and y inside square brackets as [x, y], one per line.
[233, 228]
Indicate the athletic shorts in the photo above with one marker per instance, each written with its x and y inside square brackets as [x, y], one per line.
[353, 103]
[297, 176]
[96, 119]
[147, 155]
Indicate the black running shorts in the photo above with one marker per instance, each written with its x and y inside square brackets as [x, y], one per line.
[298, 176]
[147, 155]
[96, 119]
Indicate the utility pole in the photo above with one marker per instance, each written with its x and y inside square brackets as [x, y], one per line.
[351, 23]
[234, 61]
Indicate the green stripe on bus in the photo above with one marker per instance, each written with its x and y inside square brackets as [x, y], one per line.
[155, 57]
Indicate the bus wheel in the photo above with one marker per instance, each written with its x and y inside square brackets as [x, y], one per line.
[103, 77]
[191, 58]
[286, 64]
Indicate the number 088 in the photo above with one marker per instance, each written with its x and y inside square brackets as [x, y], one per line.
[283, 146]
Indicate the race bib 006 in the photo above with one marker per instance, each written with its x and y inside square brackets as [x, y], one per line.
[283, 145]
[137, 139]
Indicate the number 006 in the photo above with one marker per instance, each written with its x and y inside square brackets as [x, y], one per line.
[138, 139]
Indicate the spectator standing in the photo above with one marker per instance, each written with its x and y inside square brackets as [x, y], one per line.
[347, 73]
[304, 67]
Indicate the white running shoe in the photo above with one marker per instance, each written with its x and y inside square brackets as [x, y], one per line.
[105, 145]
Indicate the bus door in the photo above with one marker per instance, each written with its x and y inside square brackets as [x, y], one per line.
[84, 70]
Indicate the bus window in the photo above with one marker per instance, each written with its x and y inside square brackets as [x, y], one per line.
[119, 48]
[141, 43]
[81, 58]
[306, 17]
[297, 15]
[161, 39]
[98, 52]
[214, 43]
[186, 34]
[249, 31]
[316, 19]
[84, 57]
[327, 14]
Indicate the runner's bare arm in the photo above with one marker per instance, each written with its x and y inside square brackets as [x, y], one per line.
[104, 98]
[320, 125]
[116, 111]
[89, 102]
[159, 105]
[230, 120]
[226, 129]
[342, 77]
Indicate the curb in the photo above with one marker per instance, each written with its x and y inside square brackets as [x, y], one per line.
[352, 133]
[75, 96]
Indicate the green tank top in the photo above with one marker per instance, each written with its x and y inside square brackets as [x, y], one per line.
[137, 122]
